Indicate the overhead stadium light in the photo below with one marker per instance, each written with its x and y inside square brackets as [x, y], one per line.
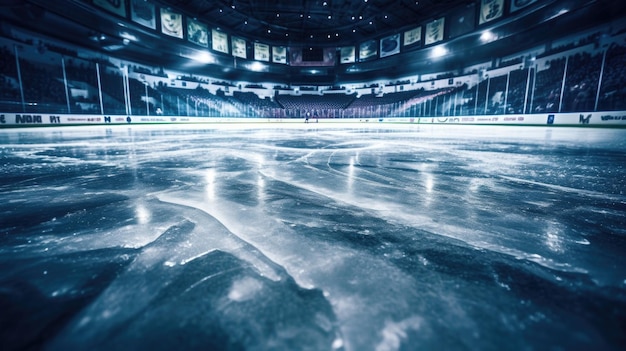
[439, 51]
[203, 57]
[128, 36]
[257, 66]
[487, 36]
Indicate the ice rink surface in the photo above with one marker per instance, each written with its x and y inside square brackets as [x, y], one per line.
[313, 237]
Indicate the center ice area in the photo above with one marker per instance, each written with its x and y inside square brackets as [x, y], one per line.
[314, 237]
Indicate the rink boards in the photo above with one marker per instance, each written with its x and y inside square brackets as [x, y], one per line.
[595, 119]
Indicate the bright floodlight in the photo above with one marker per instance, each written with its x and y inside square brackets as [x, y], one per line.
[203, 57]
[487, 36]
[257, 66]
[439, 51]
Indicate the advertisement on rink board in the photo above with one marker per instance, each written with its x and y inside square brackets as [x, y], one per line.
[594, 119]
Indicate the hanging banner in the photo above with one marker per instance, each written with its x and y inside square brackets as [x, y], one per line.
[261, 52]
[434, 31]
[219, 41]
[413, 36]
[390, 45]
[239, 47]
[197, 33]
[518, 4]
[279, 54]
[462, 21]
[142, 12]
[368, 49]
[117, 7]
[348, 54]
[491, 10]
[171, 23]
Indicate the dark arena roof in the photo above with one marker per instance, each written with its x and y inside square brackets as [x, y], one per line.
[317, 23]
[308, 42]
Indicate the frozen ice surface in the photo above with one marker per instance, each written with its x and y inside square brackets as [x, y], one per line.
[313, 237]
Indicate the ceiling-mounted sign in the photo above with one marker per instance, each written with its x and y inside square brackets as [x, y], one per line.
[390, 45]
[413, 36]
[490, 10]
[279, 54]
[518, 4]
[117, 7]
[171, 23]
[461, 21]
[239, 47]
[197, 33]
[261, 52]
[347, 54]
[312, 56]
[368, 49]
[142, 12]
[219, 41]
[434, 31]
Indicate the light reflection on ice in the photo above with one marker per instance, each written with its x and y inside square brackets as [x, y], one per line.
[143, 213]
[210, 183]
[244, 289]
[554, 237]
[394, 333]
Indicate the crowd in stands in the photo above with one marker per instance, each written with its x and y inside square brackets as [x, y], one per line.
[520, 82]
[582, 81]
[613, 90]
[548, 87]
[9, 91]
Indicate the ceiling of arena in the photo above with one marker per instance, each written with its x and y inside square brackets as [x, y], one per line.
[318, 22]
[313, 23]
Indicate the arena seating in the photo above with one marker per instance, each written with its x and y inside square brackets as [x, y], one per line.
[612, 90]
[570, 78]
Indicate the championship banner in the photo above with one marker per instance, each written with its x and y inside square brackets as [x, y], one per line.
[239, 47]
[518, 4]
[413, 36]
[390, 45]
[434, 31]
[490, 10]
[117, 7]
[219, 41]
[197, 33]
[261, 52]
[171, 23]
[368, 50]
[279, 54]
[142, 12]
[348, 54]
[461, 21]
